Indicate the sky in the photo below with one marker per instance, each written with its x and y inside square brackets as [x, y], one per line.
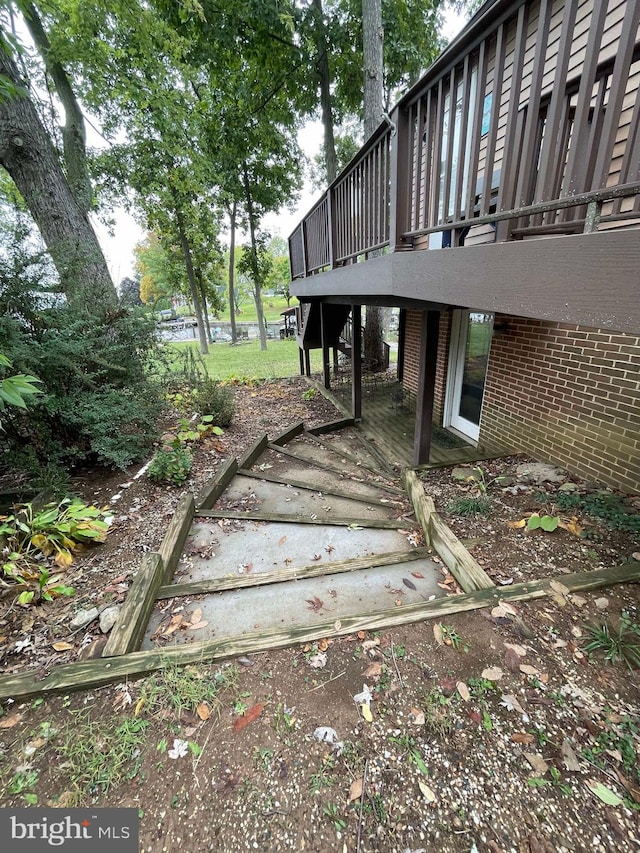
[118, 243]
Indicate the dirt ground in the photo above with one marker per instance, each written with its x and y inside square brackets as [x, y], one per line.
[493, 731]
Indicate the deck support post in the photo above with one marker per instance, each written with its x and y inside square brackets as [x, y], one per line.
[356, 362]
[307, 362]
[301, 357]
[402, 336]
[426, 386]
[326, 367]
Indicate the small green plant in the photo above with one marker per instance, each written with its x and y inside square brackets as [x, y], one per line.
[98, 755]
[262, 758]
[468, 505]
[309, 394]
[186, 688]
[450, 637]
[284, 722]
[605, 505]
[322, 779]
[548, 523]
[191, 432]
[34, 538]
[555, 781]
[216, 401]
[14, 390]
[621, 644]
[332, 813]
[171, 466]
[438, 715]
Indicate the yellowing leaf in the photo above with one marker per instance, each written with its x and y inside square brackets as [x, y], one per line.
[463, 690]
[63, 559]
[438, 635]
[139, 705]
[355, 791]
[203, 711]
[11, 721]
[62, 646]
[492, 673]
[603, 793]
[196, 616]
[426, 791]
[572, 526]
[517, 524]
[366, 713]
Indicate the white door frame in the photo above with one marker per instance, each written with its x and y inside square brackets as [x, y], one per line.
[457, 352]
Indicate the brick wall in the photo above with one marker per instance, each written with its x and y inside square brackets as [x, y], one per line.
[412, 363]
[568, 395]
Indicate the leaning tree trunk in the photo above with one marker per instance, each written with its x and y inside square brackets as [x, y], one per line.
[232, 271]
[191, 278]
[324, 81]
[372, 42]
[257, 283]
[28, 155]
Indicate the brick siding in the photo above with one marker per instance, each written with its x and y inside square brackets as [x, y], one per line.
[411, 358]
[561, 393]
[568, 395]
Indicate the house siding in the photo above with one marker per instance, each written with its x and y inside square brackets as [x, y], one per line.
[561, 393]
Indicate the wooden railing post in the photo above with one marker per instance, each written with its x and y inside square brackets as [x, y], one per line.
[399, 198]
[331, 226]
[303, 241]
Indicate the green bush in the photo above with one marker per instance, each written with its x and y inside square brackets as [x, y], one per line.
[212, 398]
[171, 466]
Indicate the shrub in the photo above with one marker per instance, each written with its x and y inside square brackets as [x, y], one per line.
[171, 466]
[212, 398]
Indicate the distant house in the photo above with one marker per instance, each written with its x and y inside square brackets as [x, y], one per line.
[501, 207]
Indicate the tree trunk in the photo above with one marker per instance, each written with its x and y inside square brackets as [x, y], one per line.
[372, 42]
[232, 271]
[205, 309]
[73, 132]
[193, 284]
[324, 80]
[28, 155]
[257, 283]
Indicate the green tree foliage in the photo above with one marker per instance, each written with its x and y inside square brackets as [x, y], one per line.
[129, 290]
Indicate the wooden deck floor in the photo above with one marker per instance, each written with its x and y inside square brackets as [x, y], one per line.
[388, 420]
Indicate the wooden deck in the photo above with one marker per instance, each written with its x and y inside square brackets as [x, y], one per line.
[388, 420]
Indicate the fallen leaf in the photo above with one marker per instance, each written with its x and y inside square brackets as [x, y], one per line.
[11, 721]
[578, 600]
[519, 650]
[196, 616]
[417, 575]
[197, 626]
[418, 716]
[252, 714]
[633, 792]
[203, 711]
[282, 540]
[527, 669]
[374, 670]
[366, 713]
[438, 635]
[316, 604]
[511, 703]
[426, 791]
[601, 603]
[318, 661]
[516, 525]
[570, 759]
[572, 526]
[463, 690]
[174, 624]
[603, 793]
[538, 763]
[370, 644]
[323, 645]
[492, 673]
[576, 631]
[408, 583]
[560, 588]
[355, 791]
[62, 646]
[522, 737]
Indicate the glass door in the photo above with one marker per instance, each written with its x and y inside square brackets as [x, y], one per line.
[469, 356]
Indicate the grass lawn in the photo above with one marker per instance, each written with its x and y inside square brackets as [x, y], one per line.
[246, 360]
[271, 305]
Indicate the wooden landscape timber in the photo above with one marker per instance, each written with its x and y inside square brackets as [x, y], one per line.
[371, 448]
[95, 673]
[331, 426]
[251, 456]
[210, 494]
[292, 518]
[300, 484]
[312, 570]
[287, 434]
[174, 538]
[469, 574]
[128, 632]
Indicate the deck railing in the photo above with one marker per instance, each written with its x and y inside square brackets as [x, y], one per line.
[530, 115]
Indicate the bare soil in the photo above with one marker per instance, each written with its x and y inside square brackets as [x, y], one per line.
[494, 732]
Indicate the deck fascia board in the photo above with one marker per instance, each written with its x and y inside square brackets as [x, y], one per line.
[557, 279]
